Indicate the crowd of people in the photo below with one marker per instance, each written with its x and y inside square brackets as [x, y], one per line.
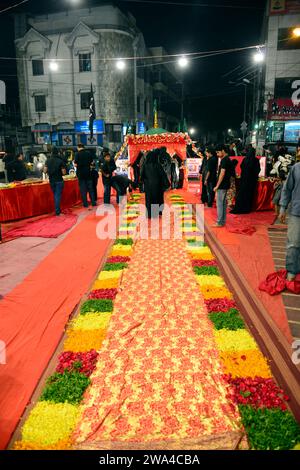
[154, 172]
[220, 182]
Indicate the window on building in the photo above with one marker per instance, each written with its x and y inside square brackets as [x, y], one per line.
[114, 132]
[283, 87]
[85, 63]
[287, 40]
[37, 67]
[85, 100]
[40, 103]
[138, 104]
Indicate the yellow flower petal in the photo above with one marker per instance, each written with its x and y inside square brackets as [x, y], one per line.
[214, 280]
[106, 284]
[107, 275]
[121, 250]
[249, 363]
[211, 292]
[239, 340]
[204, 256]
[201, 250]
[49, 423]
[91, 321]
[84, 340]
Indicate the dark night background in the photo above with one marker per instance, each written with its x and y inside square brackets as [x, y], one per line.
[212, 102]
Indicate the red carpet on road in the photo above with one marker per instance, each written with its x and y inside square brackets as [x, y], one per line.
[48, 227]
[34, 314]
[254, 257]
[245, 224]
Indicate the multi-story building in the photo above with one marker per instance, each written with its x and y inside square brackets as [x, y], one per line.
[60, 56]
[280, 78]
[167, 89]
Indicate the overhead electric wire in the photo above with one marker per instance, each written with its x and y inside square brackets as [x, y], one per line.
[188, 54]
[185, 4]
[14, 6]
[231, 71]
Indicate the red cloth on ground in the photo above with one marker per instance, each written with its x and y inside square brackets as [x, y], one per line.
[244, 224]
[29, 201]
[294, 286]
[277, 282]
[263, 196]
[48, 227]
[274, 283]
[34, 314]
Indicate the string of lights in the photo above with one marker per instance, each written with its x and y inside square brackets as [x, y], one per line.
[151, 57]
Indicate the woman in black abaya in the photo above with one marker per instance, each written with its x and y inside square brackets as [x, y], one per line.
[156, 183]
[250, 170]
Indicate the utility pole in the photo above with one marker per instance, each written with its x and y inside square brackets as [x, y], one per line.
[182, 100]
[135, 48]
[244, 124]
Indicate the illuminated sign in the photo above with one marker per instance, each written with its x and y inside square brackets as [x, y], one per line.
[84, 127]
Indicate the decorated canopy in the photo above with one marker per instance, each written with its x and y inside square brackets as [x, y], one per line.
[153, 139]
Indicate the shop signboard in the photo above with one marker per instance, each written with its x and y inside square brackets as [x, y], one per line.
[193, 167]
[278, 131]
[292, 132]
[83, 127]
[283, 109]
[140, 127]
[282, 7]
[66, 140]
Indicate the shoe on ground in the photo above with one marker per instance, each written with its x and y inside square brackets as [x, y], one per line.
[217, 226]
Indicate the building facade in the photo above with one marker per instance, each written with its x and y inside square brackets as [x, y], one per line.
[279, 91]
[167, 89]
[61, 56]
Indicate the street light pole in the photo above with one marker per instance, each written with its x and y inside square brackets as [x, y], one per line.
[135, 50]
[245, 112]
[182, 100]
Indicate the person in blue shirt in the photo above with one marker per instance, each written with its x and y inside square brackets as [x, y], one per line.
[290, 196]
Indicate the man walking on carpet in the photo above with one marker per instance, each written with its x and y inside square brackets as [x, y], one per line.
[55, 167]
[83, 162]
[223, 184]
[107, 168]
[291, 195]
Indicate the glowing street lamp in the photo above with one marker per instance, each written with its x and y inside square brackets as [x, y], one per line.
[53, 66]
[121, 65]
[258, 57]
[296, 32]
[192, 131]
[183, 62]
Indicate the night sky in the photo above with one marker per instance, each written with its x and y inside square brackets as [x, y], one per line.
[212, 102]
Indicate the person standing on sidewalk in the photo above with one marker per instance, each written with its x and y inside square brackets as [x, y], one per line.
[211, 175]
[223, 184]
[83, 162]
[56, 168]
[291, 195]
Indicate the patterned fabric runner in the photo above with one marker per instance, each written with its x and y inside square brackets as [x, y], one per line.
[158, 376]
